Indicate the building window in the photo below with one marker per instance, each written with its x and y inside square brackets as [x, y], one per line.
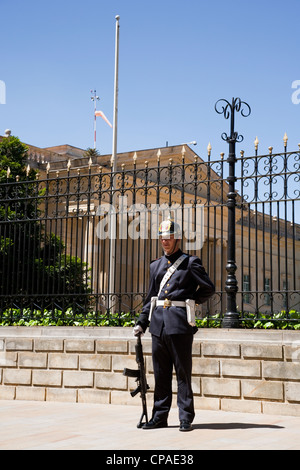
[267, 289]
[285, 287]
[246, 288]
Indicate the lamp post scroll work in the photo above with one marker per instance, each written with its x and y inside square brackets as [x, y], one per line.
[231, 317]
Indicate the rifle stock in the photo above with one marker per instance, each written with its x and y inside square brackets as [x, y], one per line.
[140, 379]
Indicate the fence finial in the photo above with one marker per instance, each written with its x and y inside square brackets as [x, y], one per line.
[285, 139]
[256, 142]
[209, 149]
[8, 172]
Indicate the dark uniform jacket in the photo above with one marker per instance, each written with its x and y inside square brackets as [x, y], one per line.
[190, 281]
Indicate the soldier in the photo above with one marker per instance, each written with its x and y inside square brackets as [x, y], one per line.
[177, 281]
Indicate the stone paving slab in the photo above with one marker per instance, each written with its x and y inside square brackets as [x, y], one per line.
[27, 425]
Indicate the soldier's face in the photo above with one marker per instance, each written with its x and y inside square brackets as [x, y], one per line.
[169, 244]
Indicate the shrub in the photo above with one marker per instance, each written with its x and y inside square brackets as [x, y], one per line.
[70, 317]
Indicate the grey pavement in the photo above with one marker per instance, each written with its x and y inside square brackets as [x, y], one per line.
[29, 425]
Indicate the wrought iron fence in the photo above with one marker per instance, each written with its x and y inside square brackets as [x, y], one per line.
[75, 245]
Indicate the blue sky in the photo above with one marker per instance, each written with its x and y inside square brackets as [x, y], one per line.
[177, 58]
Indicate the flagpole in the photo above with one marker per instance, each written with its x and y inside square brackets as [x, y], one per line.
[113, 224]
[116, 92]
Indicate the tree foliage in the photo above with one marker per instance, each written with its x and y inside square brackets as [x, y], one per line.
[33, 262]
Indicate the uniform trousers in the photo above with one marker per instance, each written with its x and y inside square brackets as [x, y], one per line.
[169, 350]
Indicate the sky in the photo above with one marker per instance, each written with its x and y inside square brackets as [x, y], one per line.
[176, 59]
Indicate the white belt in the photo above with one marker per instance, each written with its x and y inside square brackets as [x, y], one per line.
[170, 303]
[188, 304]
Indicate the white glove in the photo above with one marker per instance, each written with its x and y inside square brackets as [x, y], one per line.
[138, 330]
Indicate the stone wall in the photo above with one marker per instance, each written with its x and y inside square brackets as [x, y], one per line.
[234, 370]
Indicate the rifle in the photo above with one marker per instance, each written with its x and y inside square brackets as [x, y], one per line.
[140, 379]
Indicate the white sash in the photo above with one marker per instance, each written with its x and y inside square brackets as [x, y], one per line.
[171, 271]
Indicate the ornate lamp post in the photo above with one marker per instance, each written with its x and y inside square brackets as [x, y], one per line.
[231, 317]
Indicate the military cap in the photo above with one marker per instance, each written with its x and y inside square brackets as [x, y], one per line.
[169, 227]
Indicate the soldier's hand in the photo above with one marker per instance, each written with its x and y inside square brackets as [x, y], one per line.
[138, 330]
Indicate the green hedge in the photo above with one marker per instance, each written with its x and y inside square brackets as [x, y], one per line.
[279, 321]
[15, 317]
